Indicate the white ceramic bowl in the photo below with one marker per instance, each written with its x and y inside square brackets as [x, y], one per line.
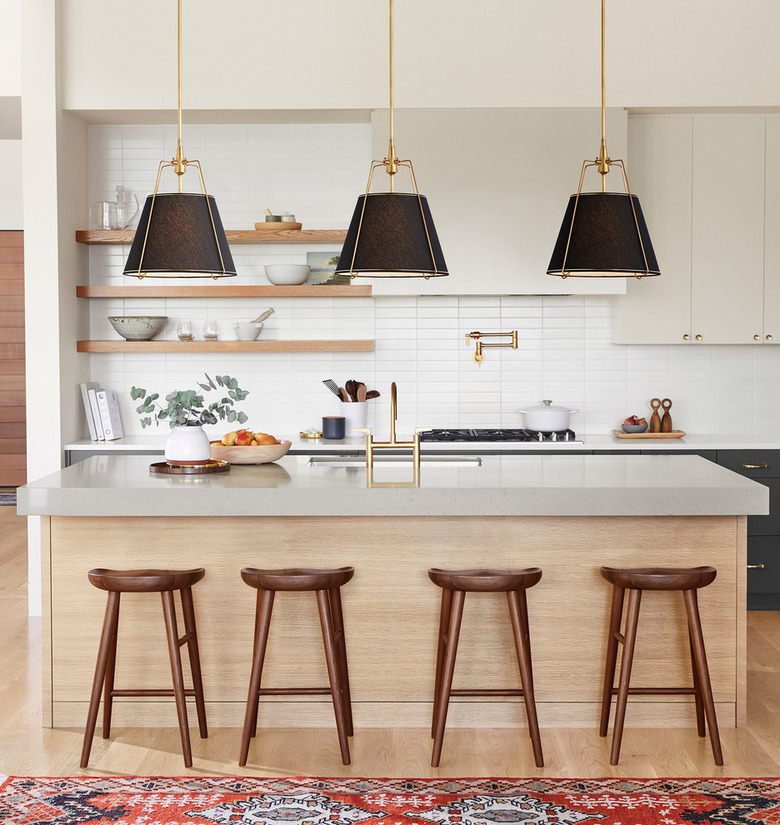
[247, 331]
[287, 274]
[138, 327]
[261, 454]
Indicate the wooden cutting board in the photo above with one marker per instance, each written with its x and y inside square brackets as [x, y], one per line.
[672, 434]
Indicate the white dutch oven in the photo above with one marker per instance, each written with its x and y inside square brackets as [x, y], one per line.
[547, 417]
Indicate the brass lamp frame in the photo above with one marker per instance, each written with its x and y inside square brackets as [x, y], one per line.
[391, 164]
[179, 165]
[603, 163]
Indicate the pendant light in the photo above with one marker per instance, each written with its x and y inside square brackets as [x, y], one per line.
[180, 234]
[603, 234]
[391, 234]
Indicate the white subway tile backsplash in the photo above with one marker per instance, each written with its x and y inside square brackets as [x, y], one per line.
[565, 350]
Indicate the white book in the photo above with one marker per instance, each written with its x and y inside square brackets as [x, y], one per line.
[91, 385]
[93, 405]
[109, 414]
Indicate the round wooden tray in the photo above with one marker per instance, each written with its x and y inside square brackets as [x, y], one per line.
[278, 225]
[163, 468]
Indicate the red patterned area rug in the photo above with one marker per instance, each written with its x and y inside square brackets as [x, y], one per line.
[306, 801]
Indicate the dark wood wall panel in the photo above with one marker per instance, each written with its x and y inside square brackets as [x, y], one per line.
[13, 452]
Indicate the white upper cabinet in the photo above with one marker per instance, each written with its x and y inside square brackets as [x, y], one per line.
[701, 182]
[727, 282]
[498, 182]
[771, 330]
[658, 309]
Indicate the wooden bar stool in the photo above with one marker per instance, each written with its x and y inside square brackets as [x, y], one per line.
[455, 584]
[687, 580]
[164, 582]
[326, 584]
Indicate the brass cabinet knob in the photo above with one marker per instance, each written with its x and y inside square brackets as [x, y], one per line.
[756, 466]
[756, 337]
[686, 337]
[698, 337]
[755, 567]
[768, 337]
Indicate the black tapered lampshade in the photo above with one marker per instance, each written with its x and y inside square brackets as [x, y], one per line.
[182, 241]
[391, 240]
[604, 239]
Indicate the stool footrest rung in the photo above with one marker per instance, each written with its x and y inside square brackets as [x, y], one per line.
[150, 692]
[657, 691]
[187, 637]
[488, 692]
[294, 691]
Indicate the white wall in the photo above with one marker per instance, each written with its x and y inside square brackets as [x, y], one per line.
[10, 48]
[11, 178]
[246, 55]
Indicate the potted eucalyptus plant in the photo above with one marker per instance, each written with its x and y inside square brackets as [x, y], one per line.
[186, 411]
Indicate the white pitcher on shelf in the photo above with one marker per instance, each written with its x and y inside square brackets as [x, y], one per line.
[128, 208]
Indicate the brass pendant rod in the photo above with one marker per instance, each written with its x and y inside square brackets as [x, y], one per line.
[179, 164]
[603, 154]
[391, 158]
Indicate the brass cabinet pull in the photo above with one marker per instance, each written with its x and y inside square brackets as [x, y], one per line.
[755, 466]
[755, 567]
[769, 338]
[686, 337]
[756, 337]
[698, 337]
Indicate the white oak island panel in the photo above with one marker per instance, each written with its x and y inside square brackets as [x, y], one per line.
[391, 608]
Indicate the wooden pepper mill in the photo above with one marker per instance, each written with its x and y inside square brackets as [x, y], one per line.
[666, 421]
[655, 419]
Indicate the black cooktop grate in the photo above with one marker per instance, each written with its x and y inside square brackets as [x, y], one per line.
[498, 434]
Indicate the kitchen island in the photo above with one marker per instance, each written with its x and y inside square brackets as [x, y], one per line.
[568, 514]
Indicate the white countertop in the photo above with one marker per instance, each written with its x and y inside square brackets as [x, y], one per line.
[691, 441]
[549, 485]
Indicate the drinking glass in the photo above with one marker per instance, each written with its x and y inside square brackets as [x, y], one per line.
[210, 330]
[184, 331]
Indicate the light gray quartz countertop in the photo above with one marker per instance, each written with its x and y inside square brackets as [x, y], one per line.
[507, 485]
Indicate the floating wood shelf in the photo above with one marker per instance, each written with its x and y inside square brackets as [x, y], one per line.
[226, 291]
[226, 346]
[125, 236]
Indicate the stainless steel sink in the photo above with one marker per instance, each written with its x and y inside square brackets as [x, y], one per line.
[360, 461]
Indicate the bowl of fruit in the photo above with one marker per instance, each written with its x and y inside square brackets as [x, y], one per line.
[634, 424]
[247, 447]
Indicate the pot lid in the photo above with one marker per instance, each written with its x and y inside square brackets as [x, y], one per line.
[548, 406]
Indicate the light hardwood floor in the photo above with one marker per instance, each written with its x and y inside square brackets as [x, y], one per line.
[28, 749]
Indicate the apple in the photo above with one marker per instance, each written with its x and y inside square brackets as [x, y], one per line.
[641, 421]
[229, 439]
[243, 438]
[631, 420]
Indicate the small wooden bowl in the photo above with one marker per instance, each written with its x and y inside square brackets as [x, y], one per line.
[262, 454]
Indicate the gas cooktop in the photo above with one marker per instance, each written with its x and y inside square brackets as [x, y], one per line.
[490, 435]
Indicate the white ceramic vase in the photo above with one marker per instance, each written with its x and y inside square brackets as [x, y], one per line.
[187, 444]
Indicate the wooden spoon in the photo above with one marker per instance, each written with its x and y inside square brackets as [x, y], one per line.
[372, 394]
[351, 388]
[343, 394]
[361, 392]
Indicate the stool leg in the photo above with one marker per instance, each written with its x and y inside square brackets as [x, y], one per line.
[108, 695]
[174, 653]
[109, 623]
[334, 671]
[697, 637]
[697, 694]
[265, 603]
[615, 616]
[632, 618]
[341, 653]
[444, 629]
[192, 649]
[448, 668]
[518, 612]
